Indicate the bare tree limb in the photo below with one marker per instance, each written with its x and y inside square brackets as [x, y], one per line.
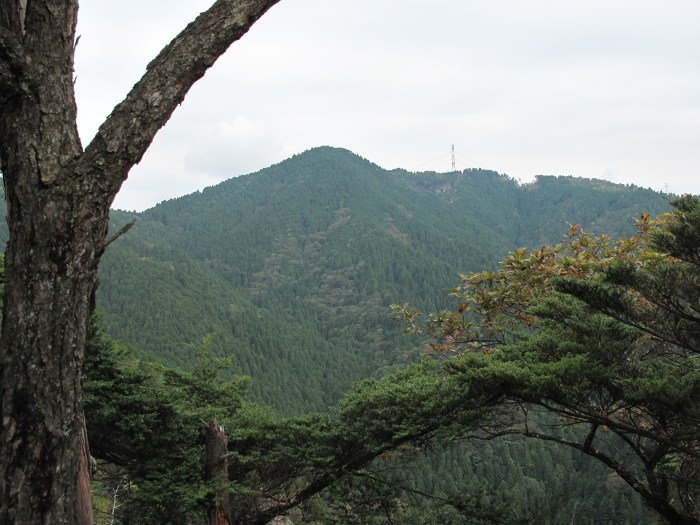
[119, 233]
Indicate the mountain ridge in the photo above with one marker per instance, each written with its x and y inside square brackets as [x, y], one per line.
[293, 267]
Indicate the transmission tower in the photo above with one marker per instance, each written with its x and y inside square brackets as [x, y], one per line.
[453, 157]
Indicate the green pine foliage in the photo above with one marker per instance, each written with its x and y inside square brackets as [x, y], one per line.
[146, 421]
[603, 338]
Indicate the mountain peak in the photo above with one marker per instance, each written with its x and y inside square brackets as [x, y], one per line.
[331, 154]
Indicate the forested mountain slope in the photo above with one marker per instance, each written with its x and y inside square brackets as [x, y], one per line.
[293, 267]
[292, 270]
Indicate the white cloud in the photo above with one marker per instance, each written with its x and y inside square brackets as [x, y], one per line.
[233, 147]
[577, 87]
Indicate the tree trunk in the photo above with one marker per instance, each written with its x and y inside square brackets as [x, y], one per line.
[58, 199]
[51, 264]
[50, 277]
[216, 474]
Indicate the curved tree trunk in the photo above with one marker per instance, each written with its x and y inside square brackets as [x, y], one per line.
[58, 199]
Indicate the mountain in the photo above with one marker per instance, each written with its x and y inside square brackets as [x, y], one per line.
[293, 268]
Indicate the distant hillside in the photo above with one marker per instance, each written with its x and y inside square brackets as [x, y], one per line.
[293, 267]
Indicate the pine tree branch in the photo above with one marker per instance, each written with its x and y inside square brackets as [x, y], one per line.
[124, 137]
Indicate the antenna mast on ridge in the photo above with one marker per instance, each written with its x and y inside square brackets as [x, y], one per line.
[453, 157]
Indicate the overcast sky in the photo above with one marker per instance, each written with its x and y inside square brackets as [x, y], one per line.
[592, 88]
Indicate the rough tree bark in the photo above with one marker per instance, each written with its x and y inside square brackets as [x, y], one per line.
[58, 197]
[216, 473]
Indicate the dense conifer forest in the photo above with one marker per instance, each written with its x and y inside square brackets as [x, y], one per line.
[293, 268]
[270, 294]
